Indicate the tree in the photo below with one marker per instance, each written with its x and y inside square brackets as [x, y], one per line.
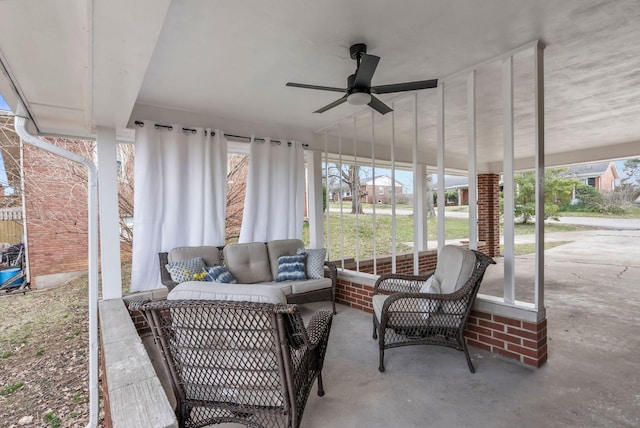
[236, 190]
[324, 198]
[632, 171]
[558, 191]
[349, 175]
[630, 185]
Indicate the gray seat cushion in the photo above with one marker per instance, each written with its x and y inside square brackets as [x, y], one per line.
[454, 268]
[281, 247]
[210, 255]
[248, 263]
[412, 314]
[309, 285]
[197, 290]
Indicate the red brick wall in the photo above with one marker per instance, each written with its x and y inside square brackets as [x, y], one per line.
[56, 210]
[606, 182]
[514, 339]
[489, 213]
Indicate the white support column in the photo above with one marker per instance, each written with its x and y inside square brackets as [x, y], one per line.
[393, 188]
[508, 181]
[440, 160]
[314, 170]
[419, 175]
[326, 183]
[473, 174]
[374, 199]
[538, 59]
[356, 191]
[109, 216]
[420, 201]
[340, 199]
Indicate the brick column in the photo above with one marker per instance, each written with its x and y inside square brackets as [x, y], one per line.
[489, 213]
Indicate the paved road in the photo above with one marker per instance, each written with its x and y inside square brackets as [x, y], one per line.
[603, 223]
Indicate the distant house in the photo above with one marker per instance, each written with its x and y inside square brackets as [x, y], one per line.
[339, 191]
[382, 192]
[454, 183]
[601, 175]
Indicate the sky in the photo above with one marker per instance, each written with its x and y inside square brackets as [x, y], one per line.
[3, 173]
[3, 104]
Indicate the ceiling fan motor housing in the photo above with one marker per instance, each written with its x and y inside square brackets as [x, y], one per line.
[351, 89]
[357, 50]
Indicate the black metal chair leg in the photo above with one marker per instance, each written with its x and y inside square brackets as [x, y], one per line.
[466, 354]
[320, 386]
[381, 368]
[375, 328]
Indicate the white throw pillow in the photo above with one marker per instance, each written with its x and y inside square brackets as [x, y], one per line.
[430, 286]
[429, 306]
[183, 271]
[315, 262]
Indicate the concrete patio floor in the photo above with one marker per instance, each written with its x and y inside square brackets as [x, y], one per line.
[590, 379]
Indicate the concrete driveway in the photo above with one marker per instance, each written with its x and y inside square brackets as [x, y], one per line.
[590, 379]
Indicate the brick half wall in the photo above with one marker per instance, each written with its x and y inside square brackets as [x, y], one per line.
[513, 339]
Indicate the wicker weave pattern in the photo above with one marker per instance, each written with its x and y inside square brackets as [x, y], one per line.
[409, 317]
[249, 363]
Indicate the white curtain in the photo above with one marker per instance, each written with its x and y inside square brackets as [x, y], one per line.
[180, 193]
[274, 202]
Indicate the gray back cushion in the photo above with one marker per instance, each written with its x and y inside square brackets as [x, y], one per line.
[210, 255]
[454, 268]
[248, 263]
[282, 247]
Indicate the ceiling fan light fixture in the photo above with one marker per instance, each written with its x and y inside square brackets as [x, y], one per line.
[359, 98]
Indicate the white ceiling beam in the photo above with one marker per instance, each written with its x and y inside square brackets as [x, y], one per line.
[124, 37]
[598, 154]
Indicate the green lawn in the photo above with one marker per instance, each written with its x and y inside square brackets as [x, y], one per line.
[455, 228]
[633, 212]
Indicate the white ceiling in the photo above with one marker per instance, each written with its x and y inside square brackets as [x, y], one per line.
[224, 63]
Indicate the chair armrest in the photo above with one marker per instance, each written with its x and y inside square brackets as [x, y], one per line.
[399, 283]
[165, 276]
[331, 271]
[319, 326]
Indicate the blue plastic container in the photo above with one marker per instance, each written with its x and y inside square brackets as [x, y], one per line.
[6, 274]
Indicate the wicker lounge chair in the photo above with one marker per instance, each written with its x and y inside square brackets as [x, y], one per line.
[431, 309]
[248, 363]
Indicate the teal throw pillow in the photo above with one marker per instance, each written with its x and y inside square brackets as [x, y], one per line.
[291, 268]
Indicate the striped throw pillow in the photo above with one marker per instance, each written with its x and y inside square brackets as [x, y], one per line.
[219, 274]
[291, 268]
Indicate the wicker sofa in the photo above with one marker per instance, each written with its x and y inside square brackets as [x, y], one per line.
[254, 265]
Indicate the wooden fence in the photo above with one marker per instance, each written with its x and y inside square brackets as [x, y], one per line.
[11, 229]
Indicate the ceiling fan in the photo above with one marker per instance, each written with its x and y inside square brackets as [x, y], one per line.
[359, 90]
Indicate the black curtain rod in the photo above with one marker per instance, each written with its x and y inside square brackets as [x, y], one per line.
[193, 131]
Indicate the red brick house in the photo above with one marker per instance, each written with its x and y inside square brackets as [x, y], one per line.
[383, 190]
[601, 175]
